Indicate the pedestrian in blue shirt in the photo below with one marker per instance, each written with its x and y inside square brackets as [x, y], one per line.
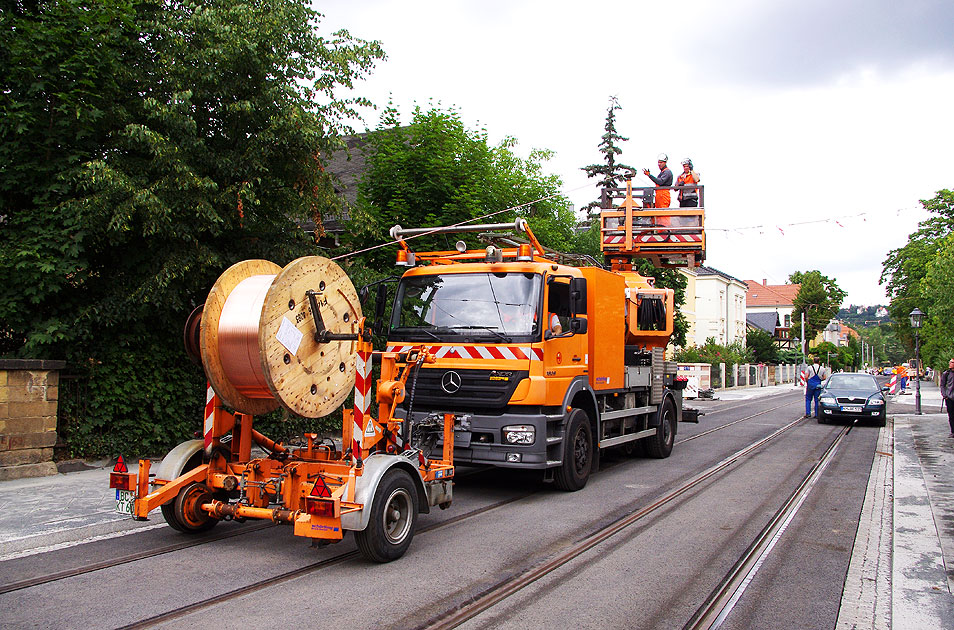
[816, 375]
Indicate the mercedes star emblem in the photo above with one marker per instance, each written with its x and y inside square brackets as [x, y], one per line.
[451, 382]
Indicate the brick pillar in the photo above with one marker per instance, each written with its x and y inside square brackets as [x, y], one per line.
[28, 393]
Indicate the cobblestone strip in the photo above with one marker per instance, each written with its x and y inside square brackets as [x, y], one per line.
[866, 599]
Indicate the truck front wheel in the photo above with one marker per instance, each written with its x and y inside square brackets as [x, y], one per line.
[660, 445]
[577, 453]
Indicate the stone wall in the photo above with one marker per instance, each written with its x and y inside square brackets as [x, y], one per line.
[29, 391]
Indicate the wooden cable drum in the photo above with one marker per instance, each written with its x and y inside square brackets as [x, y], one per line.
[257, 337]
[308, 378]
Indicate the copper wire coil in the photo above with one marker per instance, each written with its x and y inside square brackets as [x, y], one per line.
[238, 336]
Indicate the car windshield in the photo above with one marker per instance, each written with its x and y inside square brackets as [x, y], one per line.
[861, 382]
[473, 304]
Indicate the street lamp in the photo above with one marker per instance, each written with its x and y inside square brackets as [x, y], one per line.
[917, 318]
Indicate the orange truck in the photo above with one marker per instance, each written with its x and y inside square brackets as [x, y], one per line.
[501, 355]
[542, 364]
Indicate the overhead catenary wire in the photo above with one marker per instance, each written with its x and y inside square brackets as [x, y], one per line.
[471, 220]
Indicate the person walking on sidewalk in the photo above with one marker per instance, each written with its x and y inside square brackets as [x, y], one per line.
[947, 392]
[816, 375]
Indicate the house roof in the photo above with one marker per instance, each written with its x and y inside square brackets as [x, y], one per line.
[760, 294]
[712, 271]
[763, 321]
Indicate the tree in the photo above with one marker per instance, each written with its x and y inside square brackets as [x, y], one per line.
[762, 345]
[145, 147]
[905, 271]
[610, 173]
[937, 335]
[435, 171]
[818, 297]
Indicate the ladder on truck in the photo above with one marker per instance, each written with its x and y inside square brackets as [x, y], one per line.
[668, 237]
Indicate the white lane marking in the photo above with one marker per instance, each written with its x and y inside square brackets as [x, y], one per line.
[74, 543]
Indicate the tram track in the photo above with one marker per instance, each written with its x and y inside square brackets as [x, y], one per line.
[722, 599]
[310, 568]
[206, 539]
[338, 559]
[502, 590]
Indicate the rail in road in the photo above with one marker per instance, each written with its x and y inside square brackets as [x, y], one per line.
[719, 604]
[488, 598]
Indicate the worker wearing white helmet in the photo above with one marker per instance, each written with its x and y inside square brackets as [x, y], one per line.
[663, 179]
[688, 197]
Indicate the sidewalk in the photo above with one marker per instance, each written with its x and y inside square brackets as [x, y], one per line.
[903, 557]
[902, 568]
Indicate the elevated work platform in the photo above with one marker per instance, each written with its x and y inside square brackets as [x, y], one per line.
[669, 237]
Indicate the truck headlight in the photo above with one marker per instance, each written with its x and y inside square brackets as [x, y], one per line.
[519, 434]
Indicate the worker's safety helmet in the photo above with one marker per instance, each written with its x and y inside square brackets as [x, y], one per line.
[687, 161]
[662, 157]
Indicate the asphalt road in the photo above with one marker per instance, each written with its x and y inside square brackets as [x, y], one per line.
[653, 574]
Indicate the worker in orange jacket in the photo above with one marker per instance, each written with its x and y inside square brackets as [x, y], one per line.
[688, 197]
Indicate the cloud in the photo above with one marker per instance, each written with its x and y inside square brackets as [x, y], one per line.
[808, 42]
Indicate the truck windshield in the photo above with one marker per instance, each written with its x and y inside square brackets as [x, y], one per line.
[499, 305]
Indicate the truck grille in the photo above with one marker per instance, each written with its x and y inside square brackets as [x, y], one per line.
[479, 389]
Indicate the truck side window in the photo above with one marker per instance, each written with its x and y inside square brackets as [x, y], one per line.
[558, 303]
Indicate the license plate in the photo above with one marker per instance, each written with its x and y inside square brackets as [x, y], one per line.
[851, 409]
[125, 499]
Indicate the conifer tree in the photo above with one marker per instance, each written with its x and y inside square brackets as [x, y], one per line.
[610, 173]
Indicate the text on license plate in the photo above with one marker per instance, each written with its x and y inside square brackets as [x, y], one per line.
[851, 409]
[124, 501]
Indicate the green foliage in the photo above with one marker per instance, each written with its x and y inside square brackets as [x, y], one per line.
[937, 335]
[610, 173]
[905, 272]
[818, 297]
[136, 397]
[146, 147]
[713, 353]
[762, 346]
[435, 171]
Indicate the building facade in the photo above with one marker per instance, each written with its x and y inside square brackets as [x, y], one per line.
[716, 303]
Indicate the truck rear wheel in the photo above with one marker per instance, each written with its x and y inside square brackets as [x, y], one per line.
[577, 453]
[393, 518]
[660, 445]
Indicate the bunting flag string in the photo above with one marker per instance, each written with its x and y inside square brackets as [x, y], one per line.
[782, 226]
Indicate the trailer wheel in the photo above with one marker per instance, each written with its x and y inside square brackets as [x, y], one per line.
[660, 445]
[393, 518]
[168, 508]
[577, 453]
[187, 510]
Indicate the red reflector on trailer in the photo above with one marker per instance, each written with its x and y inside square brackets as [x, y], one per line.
[320, 489]
[120, 481]
[120, 466]
[319, 507]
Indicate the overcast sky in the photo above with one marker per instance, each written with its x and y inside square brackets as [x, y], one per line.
[816, 125]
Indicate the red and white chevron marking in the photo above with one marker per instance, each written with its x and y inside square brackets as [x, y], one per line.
[506, 353]
[362, 399]
[894, 384]
[209, 415]
[655, 238]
